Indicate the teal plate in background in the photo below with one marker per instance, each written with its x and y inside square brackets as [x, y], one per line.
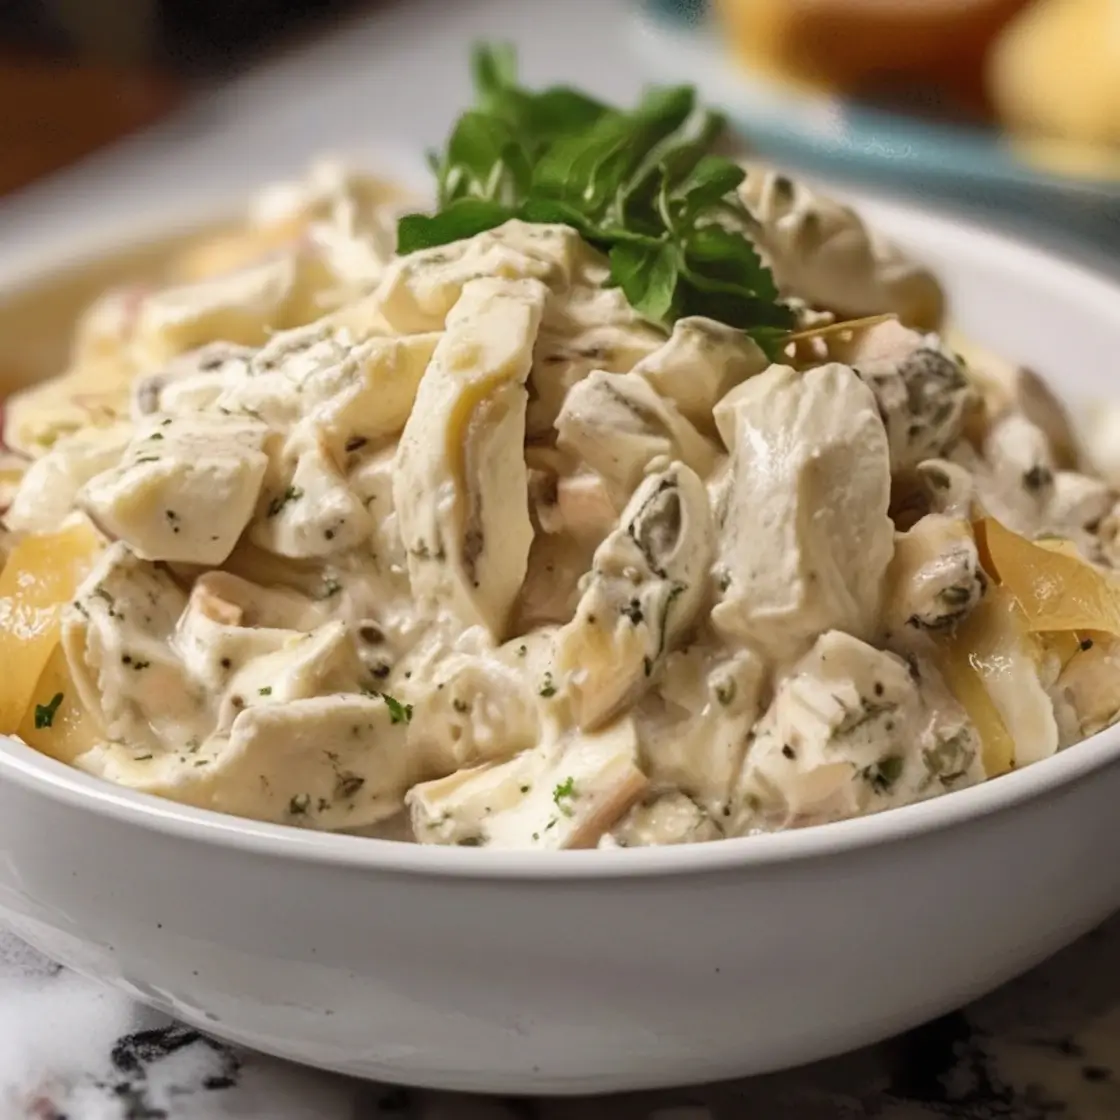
[975, 167]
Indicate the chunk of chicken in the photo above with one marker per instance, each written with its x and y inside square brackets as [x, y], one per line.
[804, 533]
[184, 489]
[591, 328]
[1090, 685]
[1015, 482]
[471, 709]
[851, 731]
[115, 636]
[371, 480]
[46, 494]
[694, 724]
[559, 795]
[311, 512]
[935, 578]
[821, 251]
[1019, 484]
[921, 390]
[321, 662]
[949, 488]
[1007, 387]
[328, 762]
[661, 819]
[237, 307]
[301, 371]
[701, 362]
[617, 424]
[460, 486]
[230, 622]
[234, 601]
[191, 382]
[1077, 509]
[646, 586]
[418, 291]
[368, 397]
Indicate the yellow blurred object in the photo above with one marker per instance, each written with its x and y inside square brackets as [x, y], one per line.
[1063, 644]
[1056, 589]
[234, 249]
[1055, 71]
[969, 656]
[69, 732]
[86, 396]
[12, 469]
[861, 45]
[40, 578]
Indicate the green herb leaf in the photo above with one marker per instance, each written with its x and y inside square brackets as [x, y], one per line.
[292, 494]
[462, 219]
[484, 161]
[493, 69]
[723, 258]
[648, 277]
[398, 712]
[644, 186]
[566, 788]
[45, 713]
[709, 182]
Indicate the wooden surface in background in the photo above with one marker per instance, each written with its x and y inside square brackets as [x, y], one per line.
[54, 113]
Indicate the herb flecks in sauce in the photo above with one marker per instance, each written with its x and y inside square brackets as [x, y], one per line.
[45, 713]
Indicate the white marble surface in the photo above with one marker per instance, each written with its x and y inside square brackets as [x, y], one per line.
[72, 1051]
[1044, 1047]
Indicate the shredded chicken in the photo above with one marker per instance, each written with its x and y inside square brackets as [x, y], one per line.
[461, 543]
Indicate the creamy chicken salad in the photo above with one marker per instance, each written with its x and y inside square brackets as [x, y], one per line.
[469, 539]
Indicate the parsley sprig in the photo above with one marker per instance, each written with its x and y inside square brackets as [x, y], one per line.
[642, 185]
[45, 713]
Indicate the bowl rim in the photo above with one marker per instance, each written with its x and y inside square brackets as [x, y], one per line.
[39, 774]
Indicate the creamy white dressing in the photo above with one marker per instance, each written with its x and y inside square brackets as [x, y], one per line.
[459, 536]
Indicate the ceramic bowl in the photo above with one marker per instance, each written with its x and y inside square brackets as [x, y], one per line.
[593, 971]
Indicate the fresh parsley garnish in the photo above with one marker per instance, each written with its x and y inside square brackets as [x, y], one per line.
[292, 494]
[548, 687]
[45, 713]
[643, 185]
[883, 774]
[398, 712]
[564, 794]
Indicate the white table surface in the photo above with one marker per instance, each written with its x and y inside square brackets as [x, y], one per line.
[71, 1051]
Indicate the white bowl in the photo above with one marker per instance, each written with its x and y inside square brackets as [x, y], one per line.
[594, 971]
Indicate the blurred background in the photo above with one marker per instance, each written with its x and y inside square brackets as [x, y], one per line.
[78, 74]
[1007, 106]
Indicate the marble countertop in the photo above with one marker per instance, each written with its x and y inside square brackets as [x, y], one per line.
[1045, 1046]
